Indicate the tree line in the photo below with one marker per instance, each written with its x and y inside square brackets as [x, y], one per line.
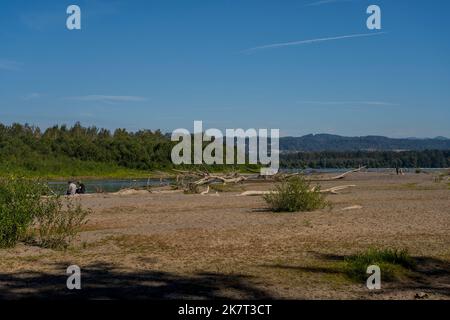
[60, 147]
[86, 151]
[371, 159]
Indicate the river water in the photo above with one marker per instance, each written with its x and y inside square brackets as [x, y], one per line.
[113, 185]
[110, 185]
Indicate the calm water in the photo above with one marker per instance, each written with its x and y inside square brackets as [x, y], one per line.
[110, 185]
[114, 185]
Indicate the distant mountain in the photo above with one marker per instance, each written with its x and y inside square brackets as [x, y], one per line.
[329, 142]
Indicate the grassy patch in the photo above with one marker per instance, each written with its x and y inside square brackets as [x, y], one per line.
[409, 186]
[139, 243]
[393, 263]
[295, 194]
[56, 168]
[57, 226]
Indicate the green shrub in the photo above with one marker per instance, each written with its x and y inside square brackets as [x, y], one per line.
[18, 208]
[295, 194]
[28, 207]
[58, 223]
[392, 262]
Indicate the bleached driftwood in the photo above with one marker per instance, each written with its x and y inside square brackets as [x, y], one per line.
[285, 176]
[205, 192]
[338, 177]
[255, 193]
[215, 178]
[333, 190]
[355, 207]
[200, 178]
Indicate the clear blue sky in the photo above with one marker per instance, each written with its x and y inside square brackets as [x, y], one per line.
[163, 64]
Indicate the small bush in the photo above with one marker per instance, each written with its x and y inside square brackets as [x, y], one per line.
[18, 208]
[57, 224]
[25, 203]
[295, 194]
[391, 262]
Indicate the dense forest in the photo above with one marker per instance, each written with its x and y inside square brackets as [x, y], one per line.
[371, 159]
[62, 151]
[330, 142]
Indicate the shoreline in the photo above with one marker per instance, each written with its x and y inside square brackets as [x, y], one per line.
[161, 174]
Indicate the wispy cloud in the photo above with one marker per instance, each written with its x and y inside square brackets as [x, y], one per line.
[10, 65]
[32, 96]
[322, 2]
[40, 21]
[309, 41]
[106, 98]
[367, 102]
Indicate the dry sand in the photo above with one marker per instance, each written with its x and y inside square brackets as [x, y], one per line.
[172, 245]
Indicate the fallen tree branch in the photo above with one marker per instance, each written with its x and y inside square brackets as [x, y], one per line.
[341, 176]
[333, 190]
[205, 178]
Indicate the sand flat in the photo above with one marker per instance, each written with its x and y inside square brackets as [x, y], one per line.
[175, 245]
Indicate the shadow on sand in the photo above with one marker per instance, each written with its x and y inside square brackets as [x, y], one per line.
[103, 281]
[430, 274]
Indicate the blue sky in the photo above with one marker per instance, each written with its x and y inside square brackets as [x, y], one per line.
[163, 64]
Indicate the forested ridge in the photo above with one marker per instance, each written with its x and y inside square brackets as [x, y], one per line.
[371, 159]
[330, 142]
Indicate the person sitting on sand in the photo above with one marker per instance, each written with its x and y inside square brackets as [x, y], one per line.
[81, 189]
[72, 190]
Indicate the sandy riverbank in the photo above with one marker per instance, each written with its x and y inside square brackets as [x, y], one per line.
[172, 245]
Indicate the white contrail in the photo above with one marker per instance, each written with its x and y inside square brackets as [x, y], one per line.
[296, 43]
[349, 102]
[105, 98]
[322, 2]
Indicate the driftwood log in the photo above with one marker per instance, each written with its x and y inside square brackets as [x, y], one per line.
[339, 177]
[333, 190]
[198, 178]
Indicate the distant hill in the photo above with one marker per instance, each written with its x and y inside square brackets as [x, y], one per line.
[329, 142]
